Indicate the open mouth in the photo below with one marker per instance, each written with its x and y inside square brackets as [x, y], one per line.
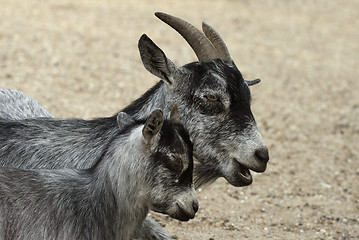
[245, 173]
[240, 175]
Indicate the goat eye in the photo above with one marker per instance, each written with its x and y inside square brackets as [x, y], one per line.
[212, 98]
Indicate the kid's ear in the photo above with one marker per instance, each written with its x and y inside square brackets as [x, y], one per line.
[153, 125]
[174, 116]
[155, 61]
[123, 119]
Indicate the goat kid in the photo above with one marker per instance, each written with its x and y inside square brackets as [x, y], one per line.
[146, 165]
[17, 105]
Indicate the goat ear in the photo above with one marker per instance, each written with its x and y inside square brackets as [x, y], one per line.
[155, 61]
[174, 116]
[153, 125]
[123, 119]
[252, 82]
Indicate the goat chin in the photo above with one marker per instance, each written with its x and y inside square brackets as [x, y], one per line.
[237, 174]
[184, 208]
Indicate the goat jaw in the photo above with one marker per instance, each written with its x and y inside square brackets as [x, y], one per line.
[238, 175]
[184, 208]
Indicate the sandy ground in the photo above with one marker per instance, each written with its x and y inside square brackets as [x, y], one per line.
[80, 59]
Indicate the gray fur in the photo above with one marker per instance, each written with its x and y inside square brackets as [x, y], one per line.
[150, 230]
[17, 105]
[107, 201]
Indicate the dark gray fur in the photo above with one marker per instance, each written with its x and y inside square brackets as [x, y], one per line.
[109, 200]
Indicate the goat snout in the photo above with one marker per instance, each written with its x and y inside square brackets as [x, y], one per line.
[195, 206]
[257, 161]
[185, 211]
[262, 155]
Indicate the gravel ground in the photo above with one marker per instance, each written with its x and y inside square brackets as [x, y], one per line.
[80, 59]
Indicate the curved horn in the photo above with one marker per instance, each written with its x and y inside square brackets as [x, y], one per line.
[200, 44]
[217, 42]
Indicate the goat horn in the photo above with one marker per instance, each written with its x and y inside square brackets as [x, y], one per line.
[200, 44]
[252, 82]
[217, 42]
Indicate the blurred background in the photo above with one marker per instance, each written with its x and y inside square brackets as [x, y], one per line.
[80, 59]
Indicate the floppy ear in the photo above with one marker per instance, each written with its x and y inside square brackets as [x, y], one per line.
[123, 119]
[155, 61]
[252, 82]
[153, 125]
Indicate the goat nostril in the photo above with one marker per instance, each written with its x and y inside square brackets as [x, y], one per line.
[195, 206]
[262, 155]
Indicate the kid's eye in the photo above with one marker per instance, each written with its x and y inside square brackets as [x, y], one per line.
[212, 98]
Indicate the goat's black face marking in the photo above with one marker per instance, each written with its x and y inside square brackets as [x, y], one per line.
[175, 151]
[173, 155]
[215, 107]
